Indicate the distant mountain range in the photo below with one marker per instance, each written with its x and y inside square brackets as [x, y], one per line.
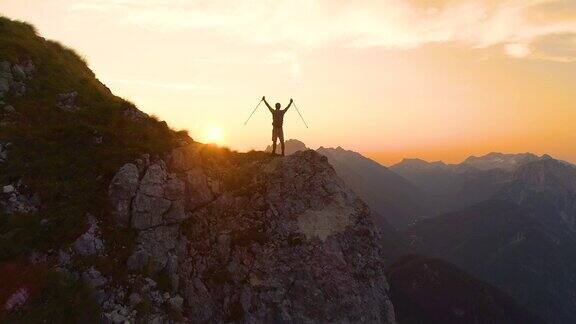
[523, 240]
[414, 189]
[454, 186]
[507, 219]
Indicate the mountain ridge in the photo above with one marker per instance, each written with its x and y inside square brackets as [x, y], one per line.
[520, 241]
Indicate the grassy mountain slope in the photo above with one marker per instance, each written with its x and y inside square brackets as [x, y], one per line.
[65, 157]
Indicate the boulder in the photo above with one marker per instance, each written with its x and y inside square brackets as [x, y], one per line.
[9, 109]
[18, 88]
[121, 191]
[152, 183]
[134, 114]
[176, 303]
[29, 68]
[94, 278]
[19, 202]
[17, 299]
[3, 152]
[6, 78]
[90, 242]
[153, 248]
[199, 192]
[19, 73]
[67, 101]
[8, 189]
[159, 198]
[148, 211]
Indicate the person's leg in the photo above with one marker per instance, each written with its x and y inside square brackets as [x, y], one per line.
[274, 137]
[281, 135]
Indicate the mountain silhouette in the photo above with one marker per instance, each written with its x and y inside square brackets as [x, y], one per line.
[522, 241]
[454, 186]
[442, 293]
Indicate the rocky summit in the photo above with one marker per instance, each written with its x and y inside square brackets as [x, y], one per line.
[107, 215]
[289, 244]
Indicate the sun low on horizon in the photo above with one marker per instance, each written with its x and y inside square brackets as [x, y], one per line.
[213, 135]
[430, 79]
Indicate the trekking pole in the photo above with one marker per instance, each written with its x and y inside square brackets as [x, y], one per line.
[253, 111]
[300, 114]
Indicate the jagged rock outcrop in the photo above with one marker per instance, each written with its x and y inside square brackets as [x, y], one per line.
[67, 101]
[290, 243]
[3, 151]
[16, 198]
[90, 242]
[153, 204]
[13, 77]
[299, 246]
[121, 191]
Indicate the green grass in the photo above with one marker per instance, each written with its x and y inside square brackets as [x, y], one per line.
[54, 154]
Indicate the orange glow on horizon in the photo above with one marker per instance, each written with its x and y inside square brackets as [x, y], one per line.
[437, 80]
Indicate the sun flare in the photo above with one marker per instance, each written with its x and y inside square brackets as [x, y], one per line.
[213, 135]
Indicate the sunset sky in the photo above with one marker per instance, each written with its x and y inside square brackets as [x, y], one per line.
[440, 79]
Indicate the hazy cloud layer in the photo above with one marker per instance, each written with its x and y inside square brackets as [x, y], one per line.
[523, 28]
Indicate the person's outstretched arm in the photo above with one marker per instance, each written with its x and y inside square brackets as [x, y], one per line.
[267, 105]
[290, 104]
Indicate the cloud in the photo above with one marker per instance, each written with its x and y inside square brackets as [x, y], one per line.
[291, 60]
[556, 47]
[552, 11]
[396, 24]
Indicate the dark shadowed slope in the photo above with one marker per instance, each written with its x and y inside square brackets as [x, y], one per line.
[387, 193]
[523, 243]
[428, 290]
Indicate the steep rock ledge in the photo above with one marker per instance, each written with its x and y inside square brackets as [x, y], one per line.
[280, 240]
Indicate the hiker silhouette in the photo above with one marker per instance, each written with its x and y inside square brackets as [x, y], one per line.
[277, 122]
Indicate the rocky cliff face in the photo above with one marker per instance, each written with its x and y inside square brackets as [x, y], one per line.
[290, 243]
[107, 215]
